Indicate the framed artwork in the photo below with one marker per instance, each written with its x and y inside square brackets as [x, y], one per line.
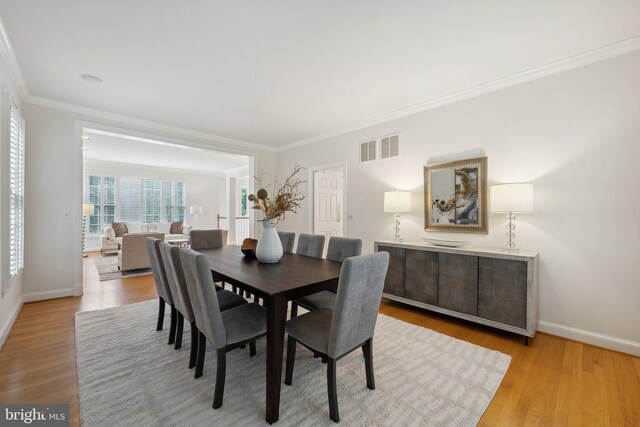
[456, 196]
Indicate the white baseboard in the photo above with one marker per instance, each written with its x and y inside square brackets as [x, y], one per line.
[39, 296]
[77, 290]
[7, 327]
[593, 338]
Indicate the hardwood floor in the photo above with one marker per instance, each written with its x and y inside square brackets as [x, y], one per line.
[554, 381]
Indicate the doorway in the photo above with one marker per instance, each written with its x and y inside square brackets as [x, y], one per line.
[328, 185]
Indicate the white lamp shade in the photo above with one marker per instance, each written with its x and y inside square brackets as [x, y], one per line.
[397, 201]
[195, 209]
[516, 197]
[88, 209]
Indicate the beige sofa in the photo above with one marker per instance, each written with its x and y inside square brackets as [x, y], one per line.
[133, 254]
[109, 241]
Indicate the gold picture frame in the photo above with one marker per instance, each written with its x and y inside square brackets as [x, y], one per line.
[456, 197]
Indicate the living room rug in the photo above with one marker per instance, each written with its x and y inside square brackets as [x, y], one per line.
[128, 375]
[107, 266]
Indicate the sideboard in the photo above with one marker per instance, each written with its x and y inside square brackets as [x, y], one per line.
[493, 287]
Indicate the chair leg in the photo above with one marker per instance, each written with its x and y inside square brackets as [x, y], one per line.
[221, 371]
[172, 328]
[202, 348]
[294, 309]
[194, 345]
[252, 348]
[367, 350]
[256, 299]
[161, 305]
[291, 359]
[332, 390]
[179, 331]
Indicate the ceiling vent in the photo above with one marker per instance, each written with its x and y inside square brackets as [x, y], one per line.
[368, 150]
[389, 146]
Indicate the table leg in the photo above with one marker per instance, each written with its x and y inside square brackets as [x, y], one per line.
[276, 318]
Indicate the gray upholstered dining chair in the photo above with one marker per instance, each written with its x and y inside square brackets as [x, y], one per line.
[226, 330]
[177, 283]
[207, 239]
[336, 333]
[340, 248]
[310, 245]
[287, 239]
[165, 296]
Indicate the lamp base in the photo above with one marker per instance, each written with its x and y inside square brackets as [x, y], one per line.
[396, 236]
[510, 245]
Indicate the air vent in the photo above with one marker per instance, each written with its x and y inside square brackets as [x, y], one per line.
[368, 150]
[389, 146]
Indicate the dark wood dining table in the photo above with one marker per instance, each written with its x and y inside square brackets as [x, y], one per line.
[292, 277]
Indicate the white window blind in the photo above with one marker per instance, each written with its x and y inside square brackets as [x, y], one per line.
[16, 192]
[151, 200]
[174, 200]
[130, 199]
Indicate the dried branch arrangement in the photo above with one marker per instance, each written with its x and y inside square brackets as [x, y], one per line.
[445, 206]
[274, 200]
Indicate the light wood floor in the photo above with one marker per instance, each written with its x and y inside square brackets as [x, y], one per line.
[554, 381]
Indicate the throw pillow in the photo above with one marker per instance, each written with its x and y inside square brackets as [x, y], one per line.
[119, 228]
[152, 227]
[163, 227]
[144, 228]
[108, 231]
[133, 227]
[176, 227]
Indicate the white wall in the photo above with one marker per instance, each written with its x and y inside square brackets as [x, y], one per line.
[201, 189]
[576, 136]
[53, 239]
[10, 289]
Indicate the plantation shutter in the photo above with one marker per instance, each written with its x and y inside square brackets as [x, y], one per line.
[16, 192]
[130, 199]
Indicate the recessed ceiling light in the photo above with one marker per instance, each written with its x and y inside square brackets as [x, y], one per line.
[91, 79]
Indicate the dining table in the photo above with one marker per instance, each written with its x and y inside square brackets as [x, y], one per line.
[294, 276]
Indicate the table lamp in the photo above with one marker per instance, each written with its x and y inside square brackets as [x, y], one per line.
[397, 202]
[510, 199]
[195, 210]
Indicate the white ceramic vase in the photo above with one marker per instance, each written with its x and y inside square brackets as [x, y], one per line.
[444, 218]
[269, 248]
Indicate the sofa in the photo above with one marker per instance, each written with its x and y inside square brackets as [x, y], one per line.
[133, 254]
[111, 239]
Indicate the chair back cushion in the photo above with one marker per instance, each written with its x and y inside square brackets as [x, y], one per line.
[119, 228]
[175, 277]
[310, 245]
[192, 287]
[159, 274]
[208, 239]
[211, 317]
[357, 302]
[287, 238]
[341, 248]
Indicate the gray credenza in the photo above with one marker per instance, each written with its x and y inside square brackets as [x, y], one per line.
[488, 286]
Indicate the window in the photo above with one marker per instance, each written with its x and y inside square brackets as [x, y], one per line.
[174, 200]
[16, 192]
[151, 200]
[102, 195]
[130, 198]
[243, 202]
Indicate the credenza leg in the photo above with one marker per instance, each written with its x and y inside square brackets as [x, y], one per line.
[526, 341]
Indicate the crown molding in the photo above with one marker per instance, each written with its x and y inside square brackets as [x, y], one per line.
[580, 60]
[105, 115]
[97, 165]
[8, 55]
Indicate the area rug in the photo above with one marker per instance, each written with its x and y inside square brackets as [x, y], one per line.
[128, 375]
[107, 266]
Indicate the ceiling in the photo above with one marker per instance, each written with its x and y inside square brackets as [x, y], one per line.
[113, 148]
[278, 72]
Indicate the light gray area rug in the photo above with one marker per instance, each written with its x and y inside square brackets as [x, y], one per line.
[128, 375]
[107, 266]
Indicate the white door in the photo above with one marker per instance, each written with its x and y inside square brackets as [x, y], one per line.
[327, 203]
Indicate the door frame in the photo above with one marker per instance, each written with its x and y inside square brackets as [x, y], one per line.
[345, 216]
